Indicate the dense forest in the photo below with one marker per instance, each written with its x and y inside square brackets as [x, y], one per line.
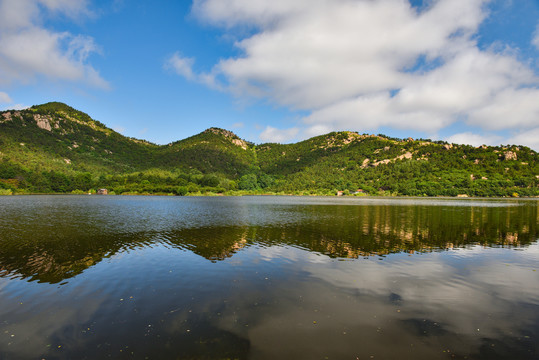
[53, 148]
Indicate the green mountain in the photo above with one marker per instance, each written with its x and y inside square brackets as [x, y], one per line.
[55, 148]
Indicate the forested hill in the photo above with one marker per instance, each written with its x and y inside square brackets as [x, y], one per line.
[53, 148]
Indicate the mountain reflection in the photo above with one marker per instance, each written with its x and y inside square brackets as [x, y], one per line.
[336, 231]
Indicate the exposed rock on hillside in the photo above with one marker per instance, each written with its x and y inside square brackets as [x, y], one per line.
[8, 116]
[53, 147]
[44, 122]
[510, 155]
[407, 155]
[234, 139]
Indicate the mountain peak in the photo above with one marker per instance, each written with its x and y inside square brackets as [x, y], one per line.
[223, 132]
[55, 148]
[61, 108]
[67, 112]
[229, 135]
[53, 106]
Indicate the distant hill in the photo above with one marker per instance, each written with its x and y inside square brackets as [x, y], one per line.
[55, 148]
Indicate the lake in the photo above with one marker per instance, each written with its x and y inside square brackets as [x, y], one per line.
[121, 277]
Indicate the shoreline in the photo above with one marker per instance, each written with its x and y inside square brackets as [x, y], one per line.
[276, 194]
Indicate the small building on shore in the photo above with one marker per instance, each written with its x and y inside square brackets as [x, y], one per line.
[102, 192]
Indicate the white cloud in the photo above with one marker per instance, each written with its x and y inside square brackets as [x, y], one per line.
[312, 54]
[470, 138]
[183, 66]
[274, 135]
[535, 40]
[71, 8]
[361, 65]
[530, 138]
[28, 49]
[14, 107]
[510, 108]
[316, 130]
[4, 98]
[253, 12]
[16, 14]
[19, 107]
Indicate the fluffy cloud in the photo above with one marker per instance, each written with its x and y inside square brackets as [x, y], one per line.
[474, 139]
[28, 49]
[72, 8]
[18, 107]
[535, 40]
[362, 65]
[339, 49]
[183, 66]
[4, 98]
[271, 134]
[530, 138]
[7, 102]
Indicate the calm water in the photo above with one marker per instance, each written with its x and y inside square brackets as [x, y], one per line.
[90, 277]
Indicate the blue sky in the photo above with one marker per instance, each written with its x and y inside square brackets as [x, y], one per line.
[466, 71]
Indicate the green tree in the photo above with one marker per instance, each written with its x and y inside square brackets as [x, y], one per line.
[181, 190]
[248, 182]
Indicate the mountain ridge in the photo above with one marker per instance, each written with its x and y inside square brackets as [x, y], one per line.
[66, 110]
[52, 141]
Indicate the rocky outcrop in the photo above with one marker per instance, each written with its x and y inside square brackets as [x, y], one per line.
[8, 116]
[406, 155]
[240, 143]
[218, 131]
[382, 162]
[365, 163]
[43, 122]
[234, 139]
[351, 137]
[510, 155]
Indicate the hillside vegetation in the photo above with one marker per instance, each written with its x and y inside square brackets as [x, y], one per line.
[53, 148]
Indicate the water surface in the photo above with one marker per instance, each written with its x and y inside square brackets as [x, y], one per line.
[119, 277]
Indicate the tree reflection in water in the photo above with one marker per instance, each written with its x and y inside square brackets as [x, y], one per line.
[291, 278]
